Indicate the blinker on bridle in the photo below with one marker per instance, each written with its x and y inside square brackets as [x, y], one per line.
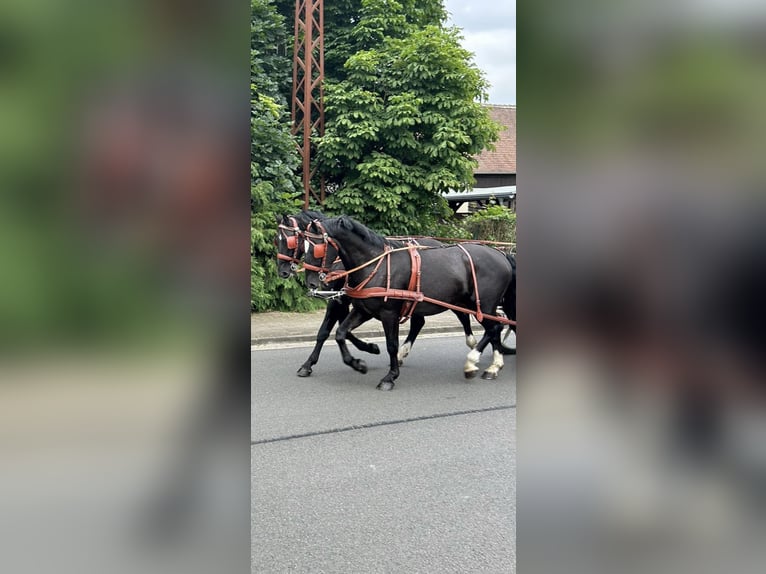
[319, 241]
[291, 241]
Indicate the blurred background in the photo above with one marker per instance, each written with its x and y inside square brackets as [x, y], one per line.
[124, 292]
[124, 256]
[642, 437]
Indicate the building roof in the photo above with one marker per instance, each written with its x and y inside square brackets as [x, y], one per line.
[503, 159]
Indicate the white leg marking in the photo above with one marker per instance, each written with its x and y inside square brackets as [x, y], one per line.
[470, 341]
[471, 361]
[404, 350]
[497, 363]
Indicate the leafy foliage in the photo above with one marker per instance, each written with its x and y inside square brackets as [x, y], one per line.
[494, 223]
[403, 125]
[274, 187]
[344, 20]
[270, 67]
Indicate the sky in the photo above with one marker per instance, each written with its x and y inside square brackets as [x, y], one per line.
[489, 29]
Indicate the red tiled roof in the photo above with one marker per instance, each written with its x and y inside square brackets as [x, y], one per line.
[503, 159]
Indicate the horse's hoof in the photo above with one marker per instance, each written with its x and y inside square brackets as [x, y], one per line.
[360, 366]
[374, 349]
[304, 372]
[385, 386]
[488, 376]
[470, 374]
[401, 362]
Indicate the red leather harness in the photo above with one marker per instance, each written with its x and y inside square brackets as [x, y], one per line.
[412, 295]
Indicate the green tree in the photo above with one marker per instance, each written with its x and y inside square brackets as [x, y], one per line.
[270, 66]
[274, 187]
[341, 18]
[404, 123]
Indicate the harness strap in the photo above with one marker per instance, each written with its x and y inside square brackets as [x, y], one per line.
[479, 314]
[388, 275]
[414, 285]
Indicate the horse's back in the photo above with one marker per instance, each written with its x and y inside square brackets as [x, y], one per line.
[450, 272]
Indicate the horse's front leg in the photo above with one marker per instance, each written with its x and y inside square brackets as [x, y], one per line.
[364, 346]
[354, 319]
[334, 313]
[390, 322]
[341, 308]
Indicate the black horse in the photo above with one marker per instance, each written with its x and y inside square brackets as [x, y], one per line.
[446, 276]
[290, 247]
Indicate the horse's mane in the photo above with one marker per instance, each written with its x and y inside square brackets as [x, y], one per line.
[365, 233]
[307, 216]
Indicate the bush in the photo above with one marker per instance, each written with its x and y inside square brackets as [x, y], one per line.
[494, 223]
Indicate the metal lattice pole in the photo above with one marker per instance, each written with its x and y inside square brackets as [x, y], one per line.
[308, 89]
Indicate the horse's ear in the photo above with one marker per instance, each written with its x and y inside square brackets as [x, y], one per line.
[279, 218]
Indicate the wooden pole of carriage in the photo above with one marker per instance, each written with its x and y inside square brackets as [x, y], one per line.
[308, 89]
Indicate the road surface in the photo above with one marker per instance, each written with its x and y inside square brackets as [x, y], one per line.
[348, 479]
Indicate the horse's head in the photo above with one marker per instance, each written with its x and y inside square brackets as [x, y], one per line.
[289, 245]
[321, 253]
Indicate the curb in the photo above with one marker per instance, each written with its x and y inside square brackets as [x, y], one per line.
[361, 333]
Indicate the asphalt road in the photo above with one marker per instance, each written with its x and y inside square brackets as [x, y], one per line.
[348, 479]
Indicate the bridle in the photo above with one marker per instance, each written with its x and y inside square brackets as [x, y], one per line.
[291, 241]
[319, 242]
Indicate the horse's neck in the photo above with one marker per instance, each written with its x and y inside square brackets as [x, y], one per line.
[355, 251]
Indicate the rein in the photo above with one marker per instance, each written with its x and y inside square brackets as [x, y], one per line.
[457, 241]
[334, 275]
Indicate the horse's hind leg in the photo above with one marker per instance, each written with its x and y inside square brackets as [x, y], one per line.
[471, 367]
[354, 319]
[391, 327]
[335, 312]
[497, 357]
[506, 349]
[416, 324]
[465, 321]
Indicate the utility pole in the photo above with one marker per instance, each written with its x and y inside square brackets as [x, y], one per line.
[308, 89]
